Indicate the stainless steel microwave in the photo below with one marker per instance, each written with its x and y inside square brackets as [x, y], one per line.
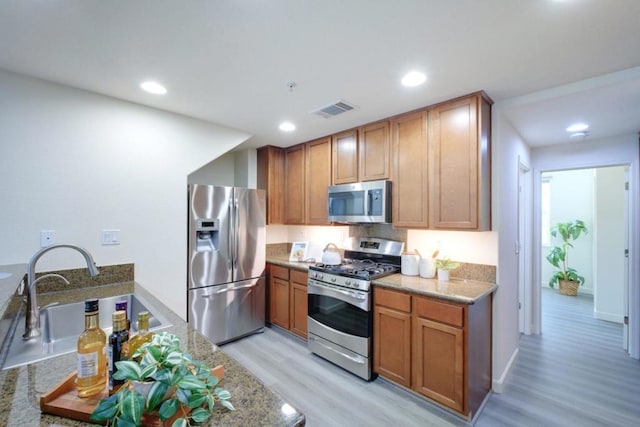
[360, 202]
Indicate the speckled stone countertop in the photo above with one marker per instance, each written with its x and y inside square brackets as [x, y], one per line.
[9, 284]
[458, 290]
[283, 260]
[21, 388]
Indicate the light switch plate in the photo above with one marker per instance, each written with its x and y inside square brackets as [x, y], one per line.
[47, 238]
[110, 237]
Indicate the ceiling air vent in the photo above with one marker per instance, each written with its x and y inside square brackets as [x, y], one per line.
[334, 109]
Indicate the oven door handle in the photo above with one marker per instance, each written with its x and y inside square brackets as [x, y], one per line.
[358, 360]
[334, 291]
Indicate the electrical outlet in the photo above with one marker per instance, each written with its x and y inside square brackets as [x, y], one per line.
[47, 238]
[110, 237]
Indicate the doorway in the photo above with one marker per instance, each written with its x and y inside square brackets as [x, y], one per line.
[597, 196]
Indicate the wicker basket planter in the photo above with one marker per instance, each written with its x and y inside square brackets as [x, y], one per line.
[568, 287]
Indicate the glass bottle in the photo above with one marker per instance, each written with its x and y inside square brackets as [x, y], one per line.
[92, 364]
[122, 305]
[143, 335]
[118, 347]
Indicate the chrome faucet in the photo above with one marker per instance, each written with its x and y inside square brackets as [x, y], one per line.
[32, 318]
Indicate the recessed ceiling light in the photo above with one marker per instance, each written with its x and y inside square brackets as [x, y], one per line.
[287, 127]
[413, 78]
[577, 127]
[153, 87]
[583, 134]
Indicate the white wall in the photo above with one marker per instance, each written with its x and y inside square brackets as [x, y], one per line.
[233, 169]
[77, 162]
[609, 242]
[464, 246]
[509, 151]
[219, 172]
[572, 197]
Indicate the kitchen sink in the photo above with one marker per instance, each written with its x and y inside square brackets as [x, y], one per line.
[60, 326]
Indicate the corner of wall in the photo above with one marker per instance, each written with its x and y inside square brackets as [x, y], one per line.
[498, 384]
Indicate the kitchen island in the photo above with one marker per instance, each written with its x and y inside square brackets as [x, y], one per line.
[21, 387]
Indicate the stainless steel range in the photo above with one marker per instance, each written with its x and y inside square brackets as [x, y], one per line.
[340, 318]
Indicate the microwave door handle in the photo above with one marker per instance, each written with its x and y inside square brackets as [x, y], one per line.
[367, 203]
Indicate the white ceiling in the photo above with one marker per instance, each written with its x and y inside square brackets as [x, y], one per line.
[229, 61]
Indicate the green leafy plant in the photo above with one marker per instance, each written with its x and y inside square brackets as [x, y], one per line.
[558, 256]
[178, 383]
[446, 264]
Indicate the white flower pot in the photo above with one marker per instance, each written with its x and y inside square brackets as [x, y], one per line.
[443, 275]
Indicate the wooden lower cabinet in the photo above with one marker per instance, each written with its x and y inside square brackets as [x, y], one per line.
[288, 299]
[298, 303]
[437, 348]
[279, 296]
[439, 362]
[392, 335]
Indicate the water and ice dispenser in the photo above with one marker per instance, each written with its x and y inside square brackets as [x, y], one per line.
[207, 234]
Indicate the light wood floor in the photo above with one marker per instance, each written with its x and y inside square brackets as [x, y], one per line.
[574, 374]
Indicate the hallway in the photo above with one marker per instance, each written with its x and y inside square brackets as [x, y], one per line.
[574, 374]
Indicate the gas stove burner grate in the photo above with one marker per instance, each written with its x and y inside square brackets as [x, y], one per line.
[358, 269]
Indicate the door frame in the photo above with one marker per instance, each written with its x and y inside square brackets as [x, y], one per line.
[633, 226]
[523, 248]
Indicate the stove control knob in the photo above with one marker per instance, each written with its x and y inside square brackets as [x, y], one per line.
[347, 282]
[320, 276]
[356, 284]
[333, 279]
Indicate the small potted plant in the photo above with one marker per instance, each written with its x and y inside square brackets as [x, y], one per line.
[444, 266]
[567, 278]
[162, 382]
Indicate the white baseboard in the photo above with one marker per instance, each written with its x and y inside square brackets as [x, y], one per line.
[497, 385]
[609, 317]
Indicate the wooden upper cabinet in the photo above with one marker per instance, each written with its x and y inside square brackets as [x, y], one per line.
[345, 157]
[318, 178]
[374, 152]
[459, 191]
[362, 154]
[295, 184]
[271, 177]
[410, 175]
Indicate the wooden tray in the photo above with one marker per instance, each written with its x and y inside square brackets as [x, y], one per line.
[63, 399]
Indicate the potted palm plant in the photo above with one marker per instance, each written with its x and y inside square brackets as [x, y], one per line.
[163, 386]
[567, 278]
[444, 266]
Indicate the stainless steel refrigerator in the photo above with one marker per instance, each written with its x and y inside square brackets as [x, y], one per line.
[226, 271]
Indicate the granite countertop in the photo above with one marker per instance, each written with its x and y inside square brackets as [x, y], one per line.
[283, 260]
[458, 290]
[21, 388]
[9, 284]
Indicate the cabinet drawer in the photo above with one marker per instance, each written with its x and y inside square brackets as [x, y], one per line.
[392, 299]
[438, 311]
[299, 277]
[280, 272]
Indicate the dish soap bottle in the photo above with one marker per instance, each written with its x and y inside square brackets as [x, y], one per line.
[143, 335]
[92, 364]
[118, 347]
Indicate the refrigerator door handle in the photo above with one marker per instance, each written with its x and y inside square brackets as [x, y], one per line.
[230, 238]
[221, 291]
[236, 220]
